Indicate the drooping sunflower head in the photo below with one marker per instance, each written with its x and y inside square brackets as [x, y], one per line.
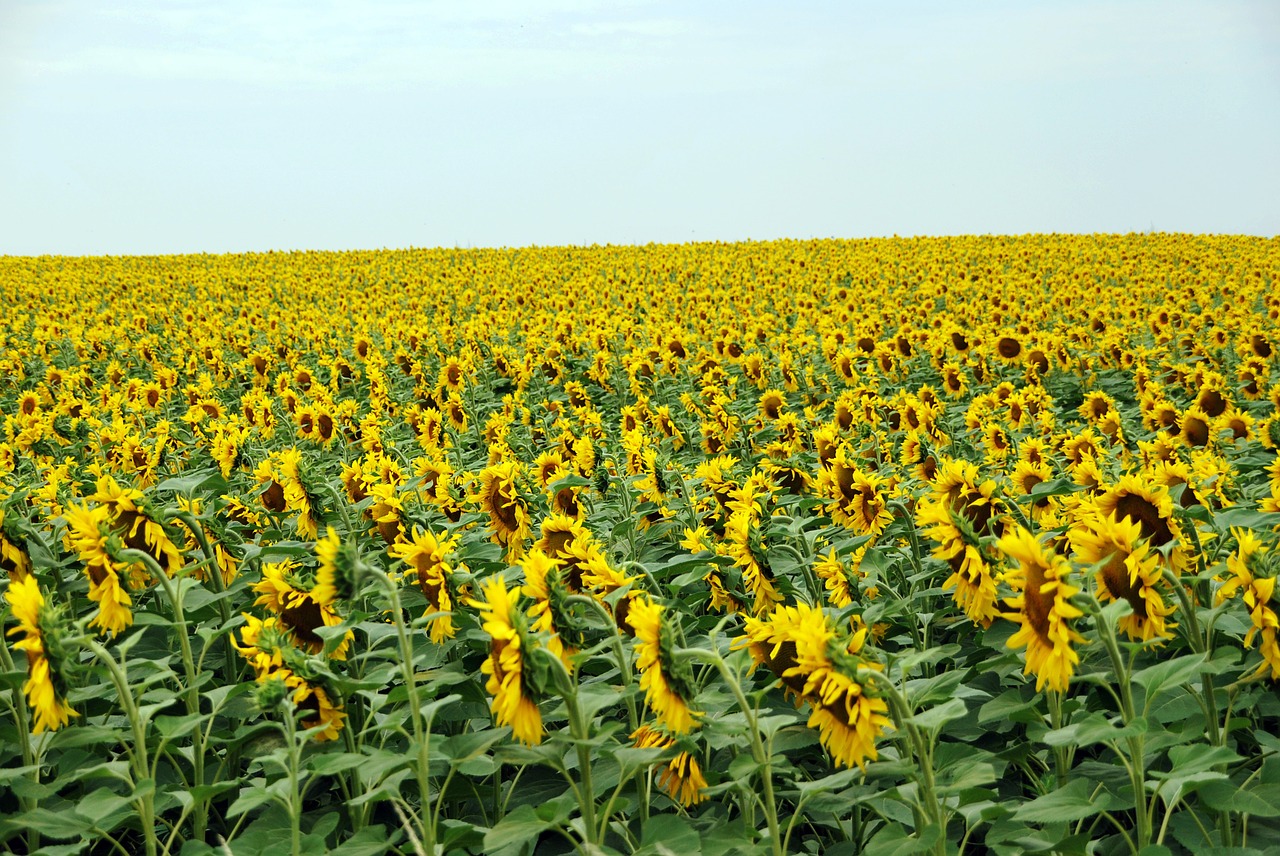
[45, 641]
[515, 695]
[680, 777]
[1128, 569]
[666, 680]
[500, 498]
[338, 575]
[289, 595]
[1042, 608]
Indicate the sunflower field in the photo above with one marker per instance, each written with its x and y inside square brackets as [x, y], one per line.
[892, 546]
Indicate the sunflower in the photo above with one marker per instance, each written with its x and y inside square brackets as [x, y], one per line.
[744, 543]
[132, 518]
[1149, 504]
[1043, 609]
[958, 512]
[41, 626]
[1128, 569]
[299, 497]
[1026, 475]
[802, 649]
[514, 696]
[1197, 427]
[545, 585]
[857, 500]
[772, 403]
[428, 559]
[262, 643]
[309, 695]
[667, 682]
[386, 512]
[228, 565]
[500, 498]
[301, 609]
[13, 558]
[86, 535]
[681, 777]
[841, 580]
[1257, 592]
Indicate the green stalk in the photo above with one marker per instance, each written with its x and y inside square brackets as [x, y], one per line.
[18, 704]
[190, 692]
[1136, 743]
[580, 731]
[901, 711]
[624, 665]
[138, 759]
[758, 753]
[295, 763]
[421, 733]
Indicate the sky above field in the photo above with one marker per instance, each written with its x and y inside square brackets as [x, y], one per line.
[148, 127]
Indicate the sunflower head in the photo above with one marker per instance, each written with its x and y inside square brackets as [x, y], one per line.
[1042, 608]
[340, 573]
[46, 640]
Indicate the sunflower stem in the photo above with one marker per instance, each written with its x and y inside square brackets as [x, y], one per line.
[138, 754]
[18, 704]
[294, 804]
[758, 752]
[1137, 746]
[624, 665]
[580, 731]
[191, 691]
[421, 734]
[923, 749]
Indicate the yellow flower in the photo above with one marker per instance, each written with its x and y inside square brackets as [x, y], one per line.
[45, 688]
[513, 700]
[300, 608]
[802, 649]
[1257, 592]
[667, 683]
[1129, 569]
[681, 777]
[857, 499]
[428, 559]
[87, 536]
[1043, 610]
[1139, 499]
[957, 513]
[744, 543]
[500, 498]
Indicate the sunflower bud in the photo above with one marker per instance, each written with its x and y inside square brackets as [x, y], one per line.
[270, 694]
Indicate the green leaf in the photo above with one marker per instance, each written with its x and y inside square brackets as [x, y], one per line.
[1093, 728]
[1225, 796]
[1011, 706]
[100, 804]
[1175, 787]
[194, 481]
[58, 825]
[1169, 674]
[936, 717]
[669, 835]
[463, 747]
[332, 763]
[250, 798]
[938, 688]
[1074, 802]
[834, 782]
[514, 832]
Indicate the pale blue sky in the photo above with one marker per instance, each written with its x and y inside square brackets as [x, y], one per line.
[149, 127]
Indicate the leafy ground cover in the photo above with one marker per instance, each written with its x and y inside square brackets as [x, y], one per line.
[884, 546]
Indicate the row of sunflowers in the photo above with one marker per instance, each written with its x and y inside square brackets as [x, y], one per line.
[828, 546]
